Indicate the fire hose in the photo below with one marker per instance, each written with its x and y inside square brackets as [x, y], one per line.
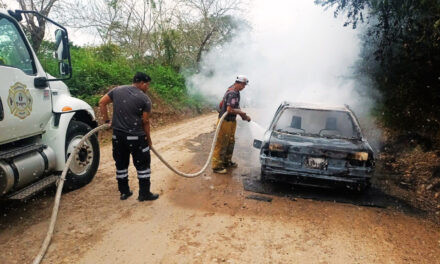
[60, 182]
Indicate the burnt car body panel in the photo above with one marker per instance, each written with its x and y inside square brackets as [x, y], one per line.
[316, 159]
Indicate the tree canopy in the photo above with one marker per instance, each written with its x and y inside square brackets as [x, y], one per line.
[401, 56]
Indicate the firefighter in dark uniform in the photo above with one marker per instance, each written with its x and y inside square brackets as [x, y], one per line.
[131, 133]
[224, 147]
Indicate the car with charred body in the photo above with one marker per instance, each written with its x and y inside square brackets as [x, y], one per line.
[316, 145]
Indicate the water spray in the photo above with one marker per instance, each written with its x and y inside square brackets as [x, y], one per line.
[257, 130]
[258, 126]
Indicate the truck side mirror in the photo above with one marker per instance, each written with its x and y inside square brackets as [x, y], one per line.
[64, 68]
[61, 45]
[62, 51]
[257, 143]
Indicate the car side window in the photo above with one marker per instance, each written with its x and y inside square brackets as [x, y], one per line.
[13, 49]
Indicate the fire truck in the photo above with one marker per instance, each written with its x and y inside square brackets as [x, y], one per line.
[40, 122]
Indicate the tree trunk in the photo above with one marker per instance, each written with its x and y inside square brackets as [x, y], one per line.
[203, 44]
[36, 31]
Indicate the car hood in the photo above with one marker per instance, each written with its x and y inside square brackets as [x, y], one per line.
[331, 144]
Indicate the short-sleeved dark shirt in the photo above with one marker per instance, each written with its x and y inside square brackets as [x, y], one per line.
[231, 98]
[128, 105]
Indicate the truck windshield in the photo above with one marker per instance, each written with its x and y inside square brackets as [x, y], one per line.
[322, 123]
[13, 50]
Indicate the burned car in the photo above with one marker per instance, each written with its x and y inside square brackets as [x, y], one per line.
[316, 145]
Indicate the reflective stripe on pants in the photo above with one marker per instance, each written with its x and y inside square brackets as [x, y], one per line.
[137, 146]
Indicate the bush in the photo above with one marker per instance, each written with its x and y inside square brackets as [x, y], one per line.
[95, 69]
[168, 84]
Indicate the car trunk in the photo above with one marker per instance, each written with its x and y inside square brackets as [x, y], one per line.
[328, 156]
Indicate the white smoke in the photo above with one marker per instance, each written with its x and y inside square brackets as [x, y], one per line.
[296, 51]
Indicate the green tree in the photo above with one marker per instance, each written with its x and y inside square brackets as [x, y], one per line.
[401, 57]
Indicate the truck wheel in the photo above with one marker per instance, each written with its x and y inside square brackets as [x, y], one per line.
[84, 165]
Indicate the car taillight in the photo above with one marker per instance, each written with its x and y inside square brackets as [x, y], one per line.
[361, 156]
[360, 159]
[277, 150]
[276, 147]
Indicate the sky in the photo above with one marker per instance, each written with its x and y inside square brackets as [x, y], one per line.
[296, 51]
[79, 37]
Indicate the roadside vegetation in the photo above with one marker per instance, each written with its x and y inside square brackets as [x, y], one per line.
[96, 69]
[400, 64]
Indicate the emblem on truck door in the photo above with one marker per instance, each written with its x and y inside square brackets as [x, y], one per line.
[20, 100]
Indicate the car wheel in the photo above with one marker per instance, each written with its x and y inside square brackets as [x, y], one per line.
[84, 165]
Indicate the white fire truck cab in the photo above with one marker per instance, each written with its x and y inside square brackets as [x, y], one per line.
[40, 122]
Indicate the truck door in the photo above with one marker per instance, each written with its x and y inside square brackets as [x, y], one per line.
[25, 108]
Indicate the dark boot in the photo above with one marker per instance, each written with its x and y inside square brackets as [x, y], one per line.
[144, 190]
[124, 189]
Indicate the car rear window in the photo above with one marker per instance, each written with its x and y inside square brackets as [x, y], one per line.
[323, 123]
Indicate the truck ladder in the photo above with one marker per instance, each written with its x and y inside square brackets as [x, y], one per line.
[34, 188]
[7, 154]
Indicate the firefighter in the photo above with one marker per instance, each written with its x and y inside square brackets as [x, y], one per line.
[224, 147]
[131, 133]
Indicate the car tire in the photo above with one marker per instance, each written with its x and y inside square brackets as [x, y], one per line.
[83, 167]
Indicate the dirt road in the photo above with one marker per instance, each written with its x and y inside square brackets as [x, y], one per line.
[208, 219]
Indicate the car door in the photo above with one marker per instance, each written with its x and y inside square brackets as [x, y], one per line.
[25, 109]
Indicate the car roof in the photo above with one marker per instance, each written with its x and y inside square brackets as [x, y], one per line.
[316, 106]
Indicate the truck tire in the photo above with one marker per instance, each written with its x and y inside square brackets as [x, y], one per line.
[84, 166]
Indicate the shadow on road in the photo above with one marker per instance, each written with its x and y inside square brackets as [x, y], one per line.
[12, 212]
[372, 197]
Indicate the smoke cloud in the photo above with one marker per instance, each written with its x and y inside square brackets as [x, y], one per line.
[296, 51]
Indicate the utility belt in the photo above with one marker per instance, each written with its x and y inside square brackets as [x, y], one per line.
[128, 137]
[122, 135]
[121, 139]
